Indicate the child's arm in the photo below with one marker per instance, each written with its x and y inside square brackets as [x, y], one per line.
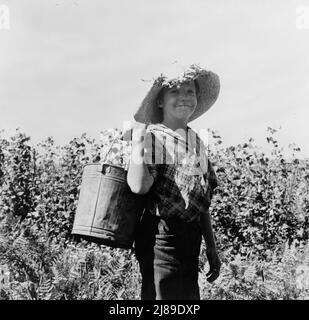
[205, 222]
[211, 249]
[207, 231]
[139, 179]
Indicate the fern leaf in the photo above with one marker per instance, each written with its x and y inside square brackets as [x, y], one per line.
[20, 243]
[250, 273]
[74, 274]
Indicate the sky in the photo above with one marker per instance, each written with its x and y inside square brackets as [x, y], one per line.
[69, 67]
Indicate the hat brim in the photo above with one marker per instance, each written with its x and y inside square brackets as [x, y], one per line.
[209, 84]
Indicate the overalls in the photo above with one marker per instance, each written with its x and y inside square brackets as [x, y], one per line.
[167, 250]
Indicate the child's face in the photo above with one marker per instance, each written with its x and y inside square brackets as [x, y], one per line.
[179, 102]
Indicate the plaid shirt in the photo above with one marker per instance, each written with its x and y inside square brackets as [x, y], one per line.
[183, 181]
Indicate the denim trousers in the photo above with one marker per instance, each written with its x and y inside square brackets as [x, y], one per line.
[167, 250]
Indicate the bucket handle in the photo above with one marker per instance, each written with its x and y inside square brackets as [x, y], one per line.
[110, 147]
[119, 136]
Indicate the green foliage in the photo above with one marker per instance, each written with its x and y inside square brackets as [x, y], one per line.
[16, 175]
[284, 276]
[260, 216]
[41, 185]
[261, 201]
[43, 270]
[40, 269]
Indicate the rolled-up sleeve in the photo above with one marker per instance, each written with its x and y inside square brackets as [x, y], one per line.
[212, 177]
[212, 181]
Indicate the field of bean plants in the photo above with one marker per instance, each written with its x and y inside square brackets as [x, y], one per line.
[260, 213]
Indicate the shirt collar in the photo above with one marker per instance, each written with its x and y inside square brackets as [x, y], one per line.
[164, 129]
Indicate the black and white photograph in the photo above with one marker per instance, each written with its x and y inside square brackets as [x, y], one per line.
[154, 150]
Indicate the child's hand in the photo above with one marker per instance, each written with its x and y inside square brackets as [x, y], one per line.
[139, 131]
[214, 264]
[134, 131]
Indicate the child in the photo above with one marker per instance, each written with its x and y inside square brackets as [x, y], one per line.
[179, 192]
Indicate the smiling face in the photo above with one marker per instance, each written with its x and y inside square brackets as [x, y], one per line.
[179, 102]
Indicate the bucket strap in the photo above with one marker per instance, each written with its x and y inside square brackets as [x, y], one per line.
[120, 137]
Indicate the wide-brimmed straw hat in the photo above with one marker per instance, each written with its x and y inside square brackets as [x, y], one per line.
[209, 87]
